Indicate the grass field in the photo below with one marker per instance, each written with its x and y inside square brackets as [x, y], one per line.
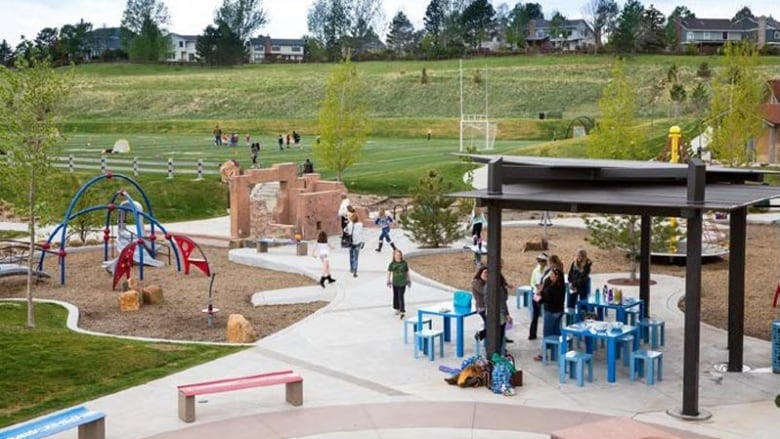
[52, 367]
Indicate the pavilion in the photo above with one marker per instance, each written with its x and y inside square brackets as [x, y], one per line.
[646, 189]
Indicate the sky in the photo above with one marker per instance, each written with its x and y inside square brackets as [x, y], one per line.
[287, 18]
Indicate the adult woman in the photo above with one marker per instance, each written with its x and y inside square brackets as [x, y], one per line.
[398, 279]
[479, 291]
[355, 230]
[321, 251]
[579, 279]
[553, 297]
[553, 262]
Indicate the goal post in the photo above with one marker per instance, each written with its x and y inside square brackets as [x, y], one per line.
[477, 133]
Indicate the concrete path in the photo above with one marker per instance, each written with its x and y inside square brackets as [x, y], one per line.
[361, 380]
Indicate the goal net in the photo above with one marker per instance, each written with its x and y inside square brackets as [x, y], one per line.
[477, 134]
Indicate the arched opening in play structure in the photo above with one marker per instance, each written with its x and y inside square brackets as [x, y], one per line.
[135, 247]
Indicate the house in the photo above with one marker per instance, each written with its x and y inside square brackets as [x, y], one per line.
[183, 48]
[267, 49]
[100, 41]
[710, 34]
[570, 35]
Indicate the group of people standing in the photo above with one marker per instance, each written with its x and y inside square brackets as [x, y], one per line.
[549, 298]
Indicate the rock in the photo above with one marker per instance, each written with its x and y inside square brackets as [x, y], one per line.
[239, 330]
[153, 295]
[535, 244]
[129, 301]
[134, 284]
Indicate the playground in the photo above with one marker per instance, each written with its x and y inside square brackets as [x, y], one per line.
[185, 295]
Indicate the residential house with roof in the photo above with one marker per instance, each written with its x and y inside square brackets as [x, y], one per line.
[267, 49]
[710, 34]
[568, 36]
[183, 48]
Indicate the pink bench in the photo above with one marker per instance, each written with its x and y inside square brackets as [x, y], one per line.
[613, 428]
[187, 392]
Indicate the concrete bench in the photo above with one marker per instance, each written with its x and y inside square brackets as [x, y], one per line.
[187, 392]
[613, 428]
[91, 425]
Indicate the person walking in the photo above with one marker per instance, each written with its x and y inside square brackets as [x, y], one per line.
[281, 143]
[355, 230]
[384, 221]
[321, 251]
[398, 279]
[254, 150]
[344, 218]
[217, 136]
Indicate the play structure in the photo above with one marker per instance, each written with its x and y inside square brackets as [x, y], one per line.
[135, 247]
[14, 256]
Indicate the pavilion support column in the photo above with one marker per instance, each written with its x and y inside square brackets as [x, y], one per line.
[493, 302]
[644, 263]
[693, 214]
[737, 244]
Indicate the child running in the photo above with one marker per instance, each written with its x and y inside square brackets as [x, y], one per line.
[321, 251]
[384, 220]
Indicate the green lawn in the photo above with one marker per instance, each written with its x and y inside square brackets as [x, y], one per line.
[50, 368]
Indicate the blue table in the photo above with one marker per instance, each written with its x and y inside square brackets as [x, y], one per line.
[591, 336]
[446, 311]
[620, 309]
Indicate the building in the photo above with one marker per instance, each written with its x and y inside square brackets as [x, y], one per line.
[183, 48]
[710, 34]
[570, 35]
[100, 41]
[267, 49]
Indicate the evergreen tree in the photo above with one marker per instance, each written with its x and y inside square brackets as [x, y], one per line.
[343, 120]
[31, 98]
[401, 37]
[143, 30]
[745, 12]
[432, 221]
[6, 54]
[220, 46]
[737, 91]
[629, 25]
[477, 20]
[652, 35]
[243, 17]
[681, 12]
[616, 135]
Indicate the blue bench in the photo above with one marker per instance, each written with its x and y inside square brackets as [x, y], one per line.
[91, 425]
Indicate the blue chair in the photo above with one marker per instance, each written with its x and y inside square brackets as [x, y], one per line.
[427, 339]
[526, 293]
[412, 321]
[649, 330]
[575, 362]
[553, 343]
[625, 343]
[641, 357]
[631, 317]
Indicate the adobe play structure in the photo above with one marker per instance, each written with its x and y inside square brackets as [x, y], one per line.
[133, 246]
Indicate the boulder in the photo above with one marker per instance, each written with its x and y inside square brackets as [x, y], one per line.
[129, 301]
[535, 244]
[239, 330]
[153, 295]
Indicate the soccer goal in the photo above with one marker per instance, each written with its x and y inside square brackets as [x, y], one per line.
[477, 133]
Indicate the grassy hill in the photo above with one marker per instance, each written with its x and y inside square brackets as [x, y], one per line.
[275, 98]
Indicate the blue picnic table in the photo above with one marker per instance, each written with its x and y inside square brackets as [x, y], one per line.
[447, 312]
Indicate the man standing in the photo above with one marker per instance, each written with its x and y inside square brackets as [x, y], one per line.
[217, 135]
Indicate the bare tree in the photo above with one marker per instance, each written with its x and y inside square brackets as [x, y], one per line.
[601, 16]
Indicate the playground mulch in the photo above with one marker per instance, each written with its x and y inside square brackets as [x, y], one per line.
[88, 286]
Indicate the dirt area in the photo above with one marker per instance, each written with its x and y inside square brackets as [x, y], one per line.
[88, 286]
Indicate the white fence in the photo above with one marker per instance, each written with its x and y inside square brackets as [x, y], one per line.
[136, 166]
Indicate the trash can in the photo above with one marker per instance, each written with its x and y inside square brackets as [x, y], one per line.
[541, 116]
[776, 346]
[302, 248]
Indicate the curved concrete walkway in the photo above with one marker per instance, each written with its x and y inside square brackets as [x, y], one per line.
[361, 380]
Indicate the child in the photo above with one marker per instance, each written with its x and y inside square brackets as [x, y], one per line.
[398, 279]
[321, 250]
[384, 221]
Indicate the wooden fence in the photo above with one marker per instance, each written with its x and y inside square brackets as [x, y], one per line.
[170, 167]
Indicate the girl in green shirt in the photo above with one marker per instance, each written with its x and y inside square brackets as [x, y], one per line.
[398, 280]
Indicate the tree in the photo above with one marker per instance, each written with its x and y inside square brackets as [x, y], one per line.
[220, 46]
[143, 30]
[432, 222]
[652, 34]
[6, 54]
[556, 28]
[745, 12]
[329, 22]
[47, 43]
[366, 17]
[629, 26]
[677, 94]
[401, 37]
[343, 120]
[243, 17]
[700, 97]
[434, 18]
[678, 13]
[74, 40]
[623, 233]
[30, 103]
[601, 16]
[737, 90]
[477, 19]
[616, 135]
